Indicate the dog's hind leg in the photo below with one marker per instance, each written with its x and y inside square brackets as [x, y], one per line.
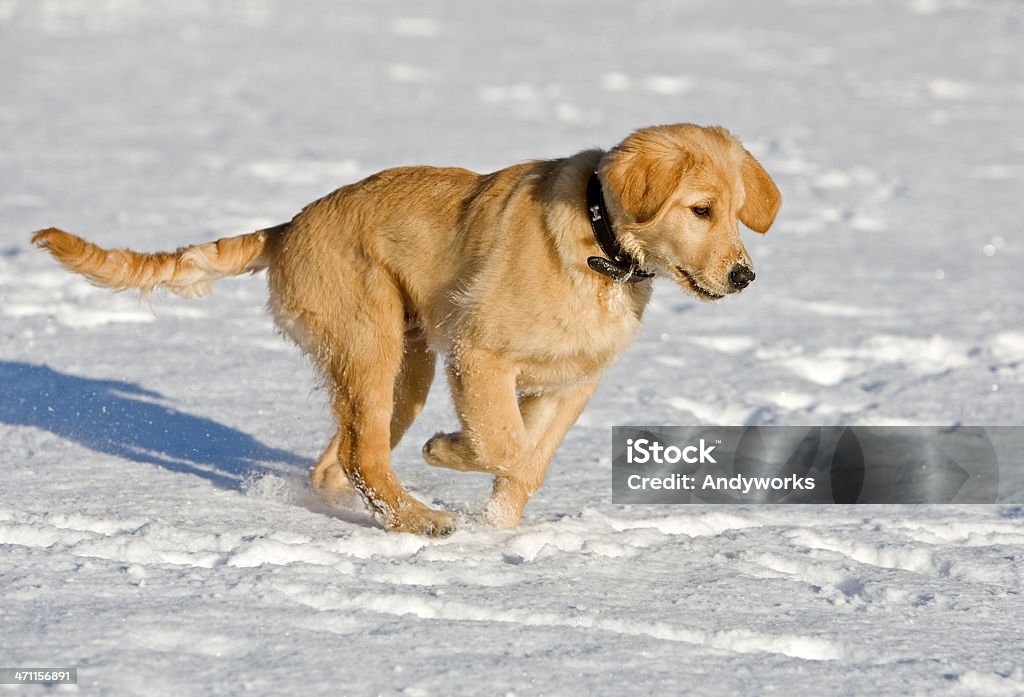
[364, 369]
[327, 476]
[412, 385]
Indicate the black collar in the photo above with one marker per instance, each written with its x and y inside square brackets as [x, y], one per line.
[617, 262]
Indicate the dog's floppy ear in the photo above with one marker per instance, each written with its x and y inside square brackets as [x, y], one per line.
[763, 197]
[644, 178]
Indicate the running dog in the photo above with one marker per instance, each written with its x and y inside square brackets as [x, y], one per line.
[529, 281]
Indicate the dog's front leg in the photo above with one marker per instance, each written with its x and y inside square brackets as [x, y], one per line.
[547, 417]
[493, 435]
[518, 470]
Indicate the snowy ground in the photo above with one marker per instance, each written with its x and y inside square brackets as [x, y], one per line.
[154, 527]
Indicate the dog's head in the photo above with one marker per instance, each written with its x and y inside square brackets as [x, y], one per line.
[678, 192]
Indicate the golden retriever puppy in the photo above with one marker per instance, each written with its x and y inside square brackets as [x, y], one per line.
[529, 281]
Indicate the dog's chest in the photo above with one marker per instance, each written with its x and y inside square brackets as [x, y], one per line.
[577, 337]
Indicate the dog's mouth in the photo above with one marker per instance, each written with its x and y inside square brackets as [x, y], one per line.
[687, 281]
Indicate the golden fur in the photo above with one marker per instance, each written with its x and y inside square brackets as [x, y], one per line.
[378, 277]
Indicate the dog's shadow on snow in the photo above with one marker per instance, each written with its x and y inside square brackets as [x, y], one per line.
[127, 420]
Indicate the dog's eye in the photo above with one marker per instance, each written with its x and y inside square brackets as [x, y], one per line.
[702, 211]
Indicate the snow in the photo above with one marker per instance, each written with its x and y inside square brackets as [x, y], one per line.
[155, 528]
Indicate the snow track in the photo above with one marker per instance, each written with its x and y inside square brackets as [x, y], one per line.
[851, 588]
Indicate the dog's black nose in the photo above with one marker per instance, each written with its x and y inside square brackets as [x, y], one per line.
[741, 276]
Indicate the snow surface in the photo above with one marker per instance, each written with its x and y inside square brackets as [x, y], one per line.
[155, 530]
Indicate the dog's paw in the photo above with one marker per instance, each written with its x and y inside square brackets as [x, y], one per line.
[329, 480]
[331, 485]
[505, 507]
[451, 451]
[502, 513]
[442, 451]
[420, 519]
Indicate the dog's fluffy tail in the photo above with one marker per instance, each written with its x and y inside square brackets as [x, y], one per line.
[189, 271]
